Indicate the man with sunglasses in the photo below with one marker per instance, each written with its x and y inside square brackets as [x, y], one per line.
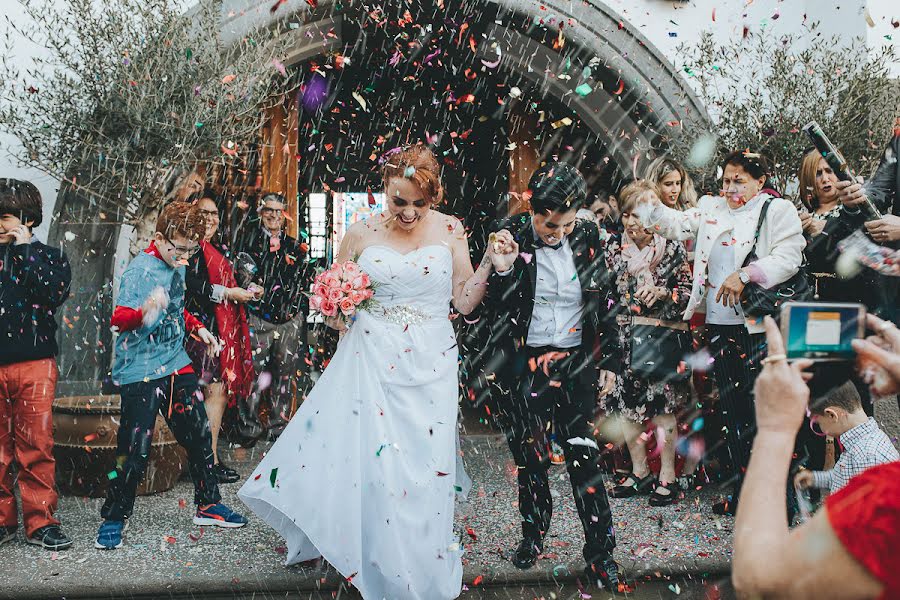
[155, 375]
[277, 321]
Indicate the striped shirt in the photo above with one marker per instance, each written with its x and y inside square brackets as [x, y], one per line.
[865, 446]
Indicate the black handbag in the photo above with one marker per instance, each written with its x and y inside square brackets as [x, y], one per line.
[758, 301]
[658, 351]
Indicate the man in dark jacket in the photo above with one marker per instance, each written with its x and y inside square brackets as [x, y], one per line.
[34, 282]
[276, 321]
[882, 189]
[553, 328]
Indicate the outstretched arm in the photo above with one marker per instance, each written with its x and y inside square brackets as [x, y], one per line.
[771, 561]
[469, 285]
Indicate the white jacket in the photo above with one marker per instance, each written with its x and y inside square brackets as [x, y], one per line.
[780, 246]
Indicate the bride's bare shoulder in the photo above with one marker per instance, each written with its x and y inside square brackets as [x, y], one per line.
[366, 228]
[451, 228]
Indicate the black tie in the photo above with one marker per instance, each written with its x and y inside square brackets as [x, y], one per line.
[540, 243]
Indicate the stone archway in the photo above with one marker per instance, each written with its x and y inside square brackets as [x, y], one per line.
[637, 99]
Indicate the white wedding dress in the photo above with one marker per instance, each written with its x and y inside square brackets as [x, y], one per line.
[364, 474]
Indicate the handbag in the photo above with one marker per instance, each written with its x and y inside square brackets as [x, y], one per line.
[658, 349]
[758, 301]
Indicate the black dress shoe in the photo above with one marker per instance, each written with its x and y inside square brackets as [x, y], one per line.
[726, 508]
[603, 573]
[630, 486]
[225, 474]
[50, 537]
[527, 553]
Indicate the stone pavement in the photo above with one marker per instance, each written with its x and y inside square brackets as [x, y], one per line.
[166, 555]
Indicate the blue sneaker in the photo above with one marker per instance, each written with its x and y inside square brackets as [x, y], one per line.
[109, 537]
[218, 515]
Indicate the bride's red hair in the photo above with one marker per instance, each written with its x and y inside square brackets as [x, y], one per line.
[417, 164]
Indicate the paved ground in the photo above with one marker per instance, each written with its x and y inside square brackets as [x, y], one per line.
[165, 554]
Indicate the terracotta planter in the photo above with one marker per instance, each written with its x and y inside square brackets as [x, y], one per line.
[84, 435]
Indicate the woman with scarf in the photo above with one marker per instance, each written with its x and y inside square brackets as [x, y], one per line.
[214, 297]
[653, 279]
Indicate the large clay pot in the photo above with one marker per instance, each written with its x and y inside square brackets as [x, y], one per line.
[84, 435]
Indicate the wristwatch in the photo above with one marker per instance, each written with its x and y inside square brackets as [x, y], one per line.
[744, 276]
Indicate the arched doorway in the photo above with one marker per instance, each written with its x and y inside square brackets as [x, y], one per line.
[494, 87]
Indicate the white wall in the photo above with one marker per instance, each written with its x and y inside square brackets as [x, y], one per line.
[668, 23]
[25, 53]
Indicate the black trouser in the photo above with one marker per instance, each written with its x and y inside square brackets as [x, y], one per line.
[537, 407]
[177, 397]
[737, 356]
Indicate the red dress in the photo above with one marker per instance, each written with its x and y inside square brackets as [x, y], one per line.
[865, 516]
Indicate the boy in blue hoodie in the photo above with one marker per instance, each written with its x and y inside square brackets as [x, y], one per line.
[155, 375]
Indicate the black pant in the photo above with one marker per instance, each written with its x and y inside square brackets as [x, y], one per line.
[737, 354]
[140, 403]
[538, 406]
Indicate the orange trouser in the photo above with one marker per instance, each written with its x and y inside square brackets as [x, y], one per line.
[26, 438]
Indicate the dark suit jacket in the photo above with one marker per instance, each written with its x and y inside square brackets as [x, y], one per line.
[884, 185]
[510, 299]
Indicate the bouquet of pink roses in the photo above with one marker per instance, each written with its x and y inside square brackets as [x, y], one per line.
[341, 290]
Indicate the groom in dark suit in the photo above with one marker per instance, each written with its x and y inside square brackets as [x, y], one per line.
[554, 332]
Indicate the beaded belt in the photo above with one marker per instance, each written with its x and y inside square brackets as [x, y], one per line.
[401, 314]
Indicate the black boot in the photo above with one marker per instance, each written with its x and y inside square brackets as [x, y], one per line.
[603, 573]
[527, 553]
[225, 474]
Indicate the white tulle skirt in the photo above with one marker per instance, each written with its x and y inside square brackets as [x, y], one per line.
[365, 474]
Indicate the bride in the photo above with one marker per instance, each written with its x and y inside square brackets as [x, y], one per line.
[364, 473]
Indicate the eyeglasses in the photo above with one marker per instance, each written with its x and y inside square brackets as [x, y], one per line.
[209, 213]
[270, 211]
[182, 251]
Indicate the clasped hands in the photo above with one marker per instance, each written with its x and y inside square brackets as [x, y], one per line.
[502, 249]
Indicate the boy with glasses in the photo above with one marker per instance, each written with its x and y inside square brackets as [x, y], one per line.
[34, 282]
[155, 374]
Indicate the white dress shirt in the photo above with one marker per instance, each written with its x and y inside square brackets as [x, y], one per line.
[721, 265]
[558, 305]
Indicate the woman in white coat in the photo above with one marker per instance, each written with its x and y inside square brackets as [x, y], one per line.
[723, 228]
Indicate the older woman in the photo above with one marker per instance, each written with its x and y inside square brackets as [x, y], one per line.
[653, 280]
[724, 228]
[214, 297]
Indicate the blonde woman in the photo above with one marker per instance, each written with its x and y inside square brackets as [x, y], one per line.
[676, 186]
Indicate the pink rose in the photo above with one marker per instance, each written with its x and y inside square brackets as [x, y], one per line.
[331, 281]
[357, 296]
[346, 287]
[335, 294]
[347, 306]
[319, 290]
[319, 277]
[315, 303]
[351, 267]
[366, 282]
[337, 270]
[369, 293]
[329, 308]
